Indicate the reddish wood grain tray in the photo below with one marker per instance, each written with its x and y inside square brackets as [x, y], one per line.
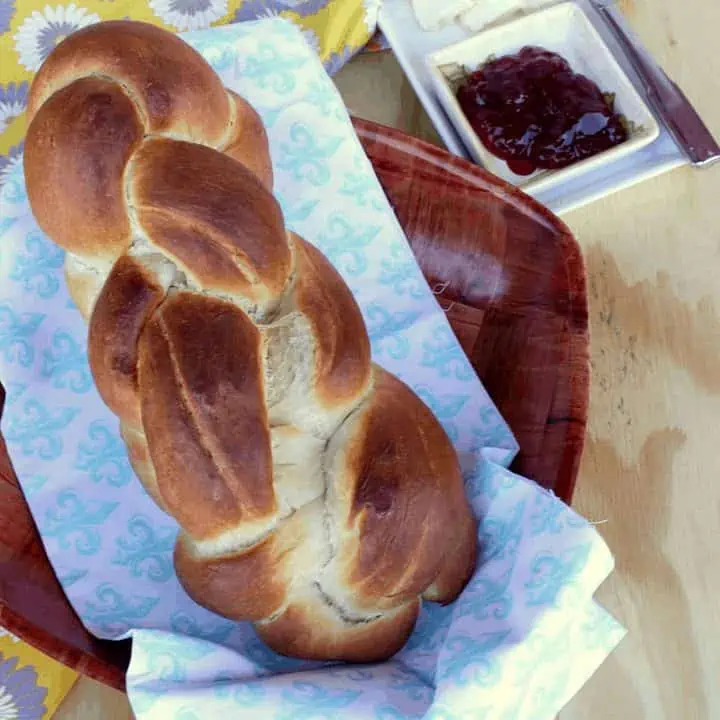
[513, 283]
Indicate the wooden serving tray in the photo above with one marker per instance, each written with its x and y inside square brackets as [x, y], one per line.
[513, 283]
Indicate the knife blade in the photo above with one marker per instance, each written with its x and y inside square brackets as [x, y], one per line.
[667, 99]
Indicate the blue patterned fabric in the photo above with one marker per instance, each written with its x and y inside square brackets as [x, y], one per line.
[524, 635]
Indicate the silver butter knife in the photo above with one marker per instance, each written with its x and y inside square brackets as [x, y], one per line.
[666, 98]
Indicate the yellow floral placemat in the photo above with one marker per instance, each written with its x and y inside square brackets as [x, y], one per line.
[29, 29]
[32, 685]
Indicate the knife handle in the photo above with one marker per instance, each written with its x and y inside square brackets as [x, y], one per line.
[667, 99]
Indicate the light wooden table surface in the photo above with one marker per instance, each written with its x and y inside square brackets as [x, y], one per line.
[651, 470]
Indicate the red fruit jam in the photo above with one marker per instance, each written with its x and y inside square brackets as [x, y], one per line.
[534, 112]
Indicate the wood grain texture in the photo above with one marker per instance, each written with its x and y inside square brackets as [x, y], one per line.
[513, 283]
[651, 462]
[91, 700]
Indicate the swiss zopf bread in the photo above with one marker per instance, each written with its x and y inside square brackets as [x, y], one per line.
[318, 496]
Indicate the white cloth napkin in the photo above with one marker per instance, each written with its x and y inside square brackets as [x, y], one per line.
[525, 634]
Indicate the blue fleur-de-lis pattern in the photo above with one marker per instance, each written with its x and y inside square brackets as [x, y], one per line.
[523, 636]
[272, 70]
[66, 362]
[298, 210]
[388, 331]
[322, 96]
[361, 188]
[35, 267]
[398, 272]
[75, 523]
[442, 353]
[145, 549]
[37, 432]
[103, 456]
[346, 245]
[114, 611]
[447, 407]
[16, 335]
[306, 157]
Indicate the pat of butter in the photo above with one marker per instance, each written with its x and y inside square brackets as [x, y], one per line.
[433, 14]
[485, 12]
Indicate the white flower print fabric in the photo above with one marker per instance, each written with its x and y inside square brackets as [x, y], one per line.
[189, 14]
[43, 30]
[524, 635]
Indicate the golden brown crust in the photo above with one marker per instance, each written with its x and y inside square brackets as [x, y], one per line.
[400, 496]
[76, 151]
[128, 299]
[342, 355]
[249, 142]
[208, 205]
[207, 263]
[141, 462]
[312, 630]
[200, 382]
[317, 495]
[459, 558]
[177, 91]
[247, 585]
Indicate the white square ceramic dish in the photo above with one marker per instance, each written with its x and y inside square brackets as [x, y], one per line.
[566, 30]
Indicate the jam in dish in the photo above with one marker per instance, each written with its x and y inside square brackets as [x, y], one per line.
[534, 112]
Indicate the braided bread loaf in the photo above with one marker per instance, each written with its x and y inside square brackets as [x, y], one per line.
[317, 495]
